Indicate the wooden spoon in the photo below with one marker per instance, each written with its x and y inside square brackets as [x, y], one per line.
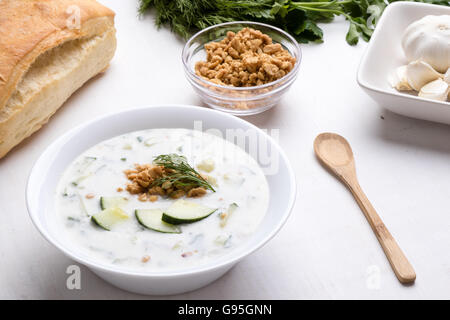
[335, 153]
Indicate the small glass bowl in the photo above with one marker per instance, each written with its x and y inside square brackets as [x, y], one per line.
[240, 101]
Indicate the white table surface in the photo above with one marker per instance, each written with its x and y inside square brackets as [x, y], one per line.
[326, 249]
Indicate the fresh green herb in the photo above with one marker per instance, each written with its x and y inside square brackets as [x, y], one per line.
[123, 159]
[139, 139]
[183, 174]
[86, 163]
[299, 18]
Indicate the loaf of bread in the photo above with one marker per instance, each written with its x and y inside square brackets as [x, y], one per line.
[48, 50]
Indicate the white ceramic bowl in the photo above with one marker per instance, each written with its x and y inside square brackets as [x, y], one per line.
[49, 167]
[384, 54]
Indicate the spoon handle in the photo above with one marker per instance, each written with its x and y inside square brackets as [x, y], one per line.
[400, 264]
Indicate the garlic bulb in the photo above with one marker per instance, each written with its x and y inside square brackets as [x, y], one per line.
[399, 80]
[419, 73]
[428, 39]
[436, 90]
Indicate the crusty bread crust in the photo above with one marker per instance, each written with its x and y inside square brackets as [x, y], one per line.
[30, 28]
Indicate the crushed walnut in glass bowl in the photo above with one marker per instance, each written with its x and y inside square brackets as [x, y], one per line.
[242, 68]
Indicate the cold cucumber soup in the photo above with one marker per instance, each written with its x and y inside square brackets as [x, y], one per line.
[160, 199]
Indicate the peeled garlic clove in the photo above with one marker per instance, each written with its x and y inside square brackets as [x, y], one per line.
[447, 79]
[435, 90]
[398, 79]
[447, 76]
[419, 73]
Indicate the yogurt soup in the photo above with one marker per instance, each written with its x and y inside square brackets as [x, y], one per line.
[160, 199]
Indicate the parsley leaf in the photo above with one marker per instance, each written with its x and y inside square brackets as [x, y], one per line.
[299, 18]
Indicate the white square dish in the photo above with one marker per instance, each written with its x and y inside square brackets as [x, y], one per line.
[384, 53]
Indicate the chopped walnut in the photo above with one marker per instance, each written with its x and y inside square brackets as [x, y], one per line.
[245, 59]
[142, 197]
[134, 188]
[142, 179]
[196, 192]
[177, 194]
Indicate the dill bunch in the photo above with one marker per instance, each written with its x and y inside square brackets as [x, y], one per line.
[299, 18]
[183, 174]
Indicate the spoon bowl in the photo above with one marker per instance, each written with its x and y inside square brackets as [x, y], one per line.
[333, 149]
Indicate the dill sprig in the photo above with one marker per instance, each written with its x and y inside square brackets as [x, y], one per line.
[299, 18]
[183, 174]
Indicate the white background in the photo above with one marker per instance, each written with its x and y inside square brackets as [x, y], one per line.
[326, 249]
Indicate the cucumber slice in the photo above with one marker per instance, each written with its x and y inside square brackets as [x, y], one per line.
[227, 214]
[151, 219]
[183, 211]
[85, 164]
[80, 179]
[112, 202]
[109, 217]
